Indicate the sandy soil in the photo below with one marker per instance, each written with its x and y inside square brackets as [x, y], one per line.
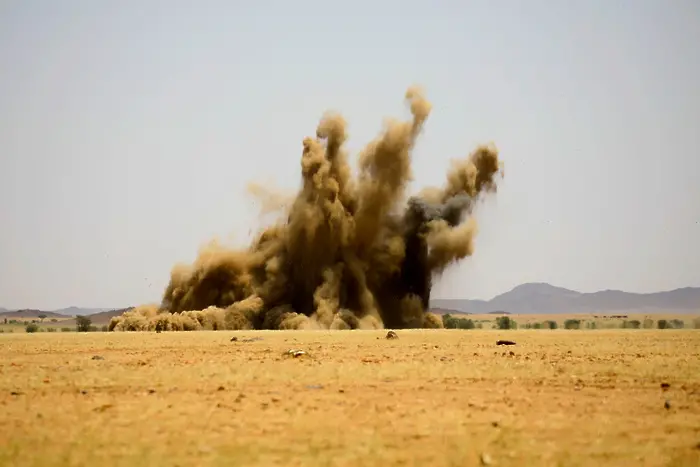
[438, 398]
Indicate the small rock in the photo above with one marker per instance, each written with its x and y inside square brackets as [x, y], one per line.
[391, 335]
[342, 391]
[667, 405]
[486, 459]
[97, 357]
[502, 342]
[314, 386]
[296, 353]
[16, 393]
[252, 339]
[221, 388]
[495, 424]
[151, 391]
[83, 392]
[234, 339]
[665, 386]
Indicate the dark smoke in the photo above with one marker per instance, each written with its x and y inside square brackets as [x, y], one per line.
[352, 252]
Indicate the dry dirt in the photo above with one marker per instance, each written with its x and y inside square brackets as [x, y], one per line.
[430, 397]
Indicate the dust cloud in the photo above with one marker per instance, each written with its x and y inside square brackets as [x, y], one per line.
[353, 252]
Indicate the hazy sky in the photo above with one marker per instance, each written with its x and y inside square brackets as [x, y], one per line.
[129, 129]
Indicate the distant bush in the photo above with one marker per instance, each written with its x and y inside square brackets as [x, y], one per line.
[92, 329]
[672, 324]
[14, 321]
[67, 329]
[83, 323]
[537, 326]
[50, 329]
[648, 323]
[450, 322]
[550, 325]
[591, 325]
[505, 322]
[696, 323]
[31, 327]
[572, 324]
[631, 324]
[105, 328]
[54, 320]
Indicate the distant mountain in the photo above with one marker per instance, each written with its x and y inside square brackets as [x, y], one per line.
[100, 318]
[34, 314]
[77, 311]
[542, 298]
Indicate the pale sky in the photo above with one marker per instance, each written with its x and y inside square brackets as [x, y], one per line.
[129, 129]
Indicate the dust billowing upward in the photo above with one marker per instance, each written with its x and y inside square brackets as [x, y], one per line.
[352, 253]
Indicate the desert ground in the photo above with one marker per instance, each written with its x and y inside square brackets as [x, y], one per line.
[429, 397]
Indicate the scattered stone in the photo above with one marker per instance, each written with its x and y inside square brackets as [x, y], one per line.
[391, 335]
[511, 353]
[83, 392]
[495, 424]
[221, 388]
[16, 393]
[667, 404]
[342, 391]
[502, 342]
[97, 357]
[296, 353]
[234, 339]
[151, 391]
[314, 386]
[665, 386]
[486, 459]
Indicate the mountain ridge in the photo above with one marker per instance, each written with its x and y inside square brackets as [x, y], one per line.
[526, 298]
[544, 298]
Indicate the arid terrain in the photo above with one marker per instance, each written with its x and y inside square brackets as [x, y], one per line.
[429, 397]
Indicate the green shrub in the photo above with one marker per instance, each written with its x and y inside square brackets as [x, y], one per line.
[50, 329]
[450, 322]
[648, 323]
[83, 323]
[67, 329]
[31, 327]
[631, 324]
[572, 324]
[505, 322]
[550, 324]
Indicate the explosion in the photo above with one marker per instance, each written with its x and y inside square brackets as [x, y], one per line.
[353, 253]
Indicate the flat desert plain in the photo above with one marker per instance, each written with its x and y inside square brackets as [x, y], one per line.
[355, 398]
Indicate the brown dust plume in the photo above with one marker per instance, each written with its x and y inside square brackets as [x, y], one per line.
[353, 252]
